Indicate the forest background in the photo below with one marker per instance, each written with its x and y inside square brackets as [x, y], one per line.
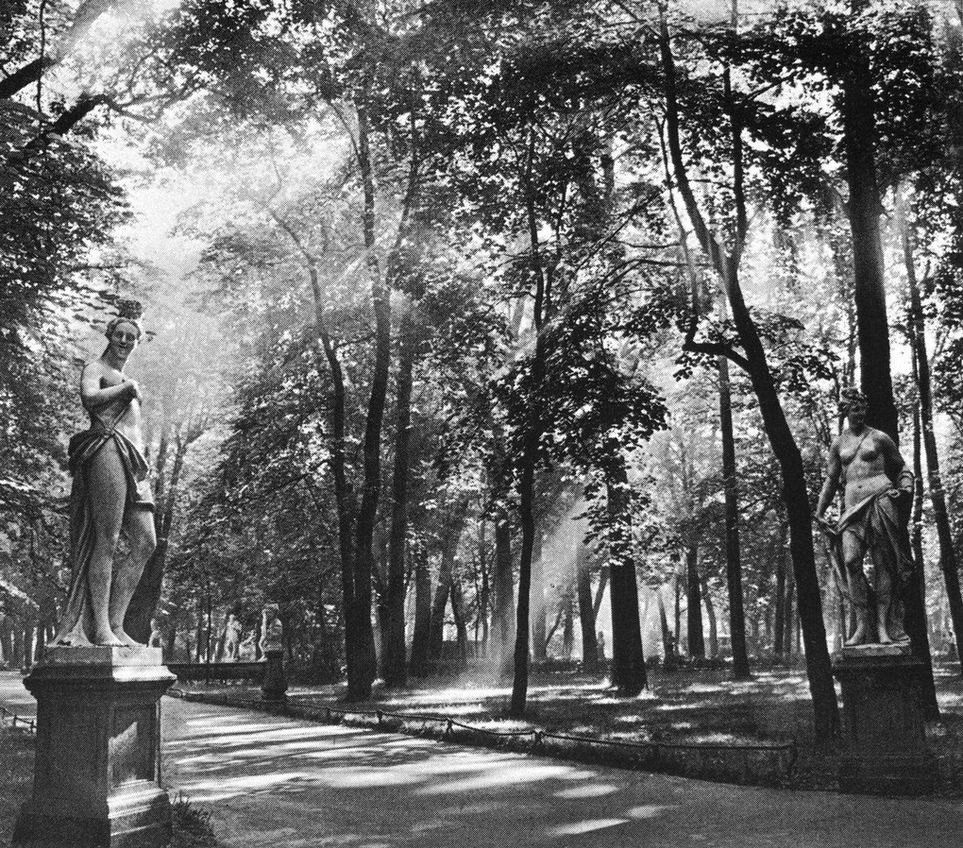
[485, 329]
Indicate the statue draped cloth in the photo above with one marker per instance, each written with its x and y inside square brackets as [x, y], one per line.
[81, 450]
[875, 521]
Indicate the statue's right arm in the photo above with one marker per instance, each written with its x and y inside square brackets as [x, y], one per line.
[92, 396]
[831, 484]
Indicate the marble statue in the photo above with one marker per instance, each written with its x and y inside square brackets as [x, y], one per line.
[270, 630]
[868, 543]
[232, 638]
[110, 495]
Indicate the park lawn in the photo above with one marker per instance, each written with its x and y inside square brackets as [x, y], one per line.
[16, 777]
[682, 706]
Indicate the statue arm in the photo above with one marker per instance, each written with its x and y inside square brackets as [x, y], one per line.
[834, 471]
[93, 396]
[896, 468]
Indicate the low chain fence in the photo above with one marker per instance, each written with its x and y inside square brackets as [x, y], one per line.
[761, 763]
[27, 722]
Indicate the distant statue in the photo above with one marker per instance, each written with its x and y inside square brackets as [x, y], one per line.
[156, 639]
[600, 641]
[232, 638]
[868, 545]
[270, 630]
[110, 494]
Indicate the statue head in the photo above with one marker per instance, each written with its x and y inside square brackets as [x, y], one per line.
[851, 397]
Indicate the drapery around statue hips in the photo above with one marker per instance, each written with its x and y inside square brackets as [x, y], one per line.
[83, 447]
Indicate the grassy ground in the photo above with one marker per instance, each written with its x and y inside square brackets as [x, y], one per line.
[683, 706]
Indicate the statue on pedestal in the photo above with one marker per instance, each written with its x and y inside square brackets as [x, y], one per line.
[868, 544]
[110, 494]
[232, 638]
[270, 630]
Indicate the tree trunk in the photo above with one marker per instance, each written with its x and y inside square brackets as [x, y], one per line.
[461, 626]
[449, 550]
[586, 612]
[539, 607]
[865, 208]
[600, 591]
[737, 618]
[419, 641]
[713, 646]
[779, 614]
[784, 447]
[529, 458]
[790, 626]
[695, 640]
[504, 624]
[393, 626]
[628, 662]
[668, 646]
[948, 562]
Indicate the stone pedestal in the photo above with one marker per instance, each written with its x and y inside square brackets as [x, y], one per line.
[97, 768]
[883, 721]
[275, 686]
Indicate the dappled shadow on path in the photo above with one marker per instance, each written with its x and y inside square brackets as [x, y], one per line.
[371, 789]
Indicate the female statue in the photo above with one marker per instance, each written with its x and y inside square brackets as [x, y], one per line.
[877, 491]
[110, 494]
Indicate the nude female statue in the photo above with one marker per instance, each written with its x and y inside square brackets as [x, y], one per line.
[877, 489]
[110, 495]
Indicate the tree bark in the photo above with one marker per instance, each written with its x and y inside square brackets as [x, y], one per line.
[393, 657]
[785, 449]
[628, 662]
[712, 648]
[504, 624]
[539, 607]
[948, 561]
[695, 640]
[859, 140]
[586, 612]
[737, 617]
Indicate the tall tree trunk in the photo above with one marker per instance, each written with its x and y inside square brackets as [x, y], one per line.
[790, 623]
[419, 641]
[737, 618]
[948, 561]
[449, 550]
[600, 590]
[586, 612]
[713, 645]
[628, 662]
[461, 626]
[504, 594]
[865, 208]
[539, 607]
[754, 362]
[393, 658]
[668, 645]
[694, 637]
[530, 445]
[779, 615]
[484, 595]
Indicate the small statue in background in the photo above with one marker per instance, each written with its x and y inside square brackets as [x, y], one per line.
[156, 637]
[868, 545]
[232, 638]
[270, 630]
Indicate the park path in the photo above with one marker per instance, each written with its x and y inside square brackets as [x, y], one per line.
[285, 783]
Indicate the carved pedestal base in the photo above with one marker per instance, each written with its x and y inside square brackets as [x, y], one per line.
[883, 721]
[275, 686]
[97, 769]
